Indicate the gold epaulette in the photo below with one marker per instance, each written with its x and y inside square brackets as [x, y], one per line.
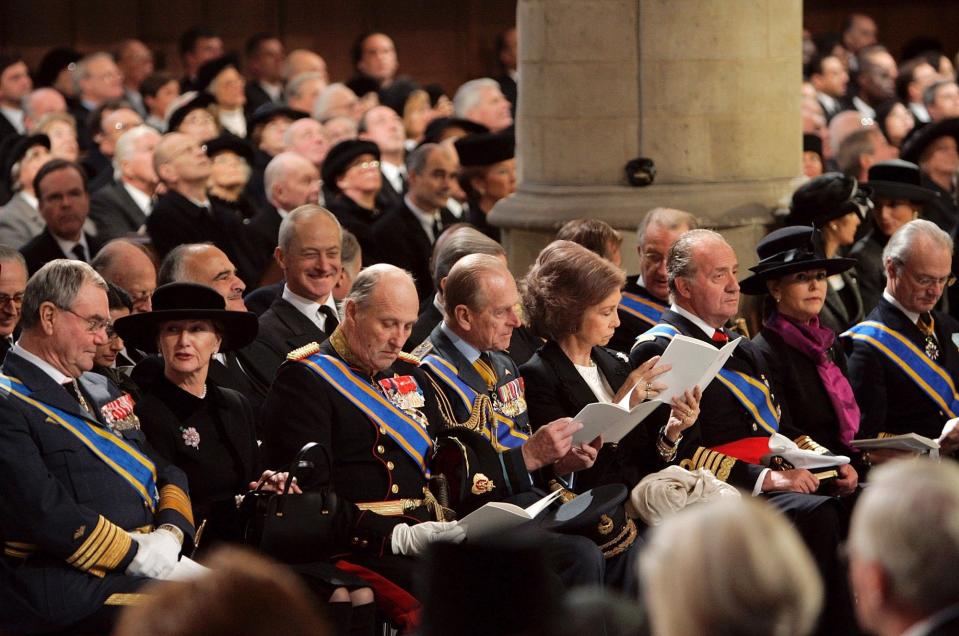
[423, 348]
[409, 358]
[807, 443]
[301, 352]
[715, 462]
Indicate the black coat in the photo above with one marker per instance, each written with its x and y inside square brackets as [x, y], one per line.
[889, 400]
[632, 326]
[43, 248]
[409, 246]
[176, 220]
[60, 497]
[388, 197]
[264, 230]
[943, 211]
[555, 389]
[842, 309]
[224, 460]
[358, 220]
[802, 397]
[870, 273]
[429, 317]
[114, 212]
[283, 328]
[260, 299]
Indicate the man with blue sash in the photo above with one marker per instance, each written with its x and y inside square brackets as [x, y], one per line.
[86, 516]
[646, 295]
[736, 410]
[904, 364]
[364, 400]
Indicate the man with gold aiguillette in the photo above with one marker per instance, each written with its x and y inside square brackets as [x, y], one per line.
[86, 517]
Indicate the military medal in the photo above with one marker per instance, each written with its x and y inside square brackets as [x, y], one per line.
[510, 400]
[118, 414]
[932, 348]
[405, 394]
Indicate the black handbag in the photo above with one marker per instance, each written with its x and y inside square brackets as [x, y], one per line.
[293, 528]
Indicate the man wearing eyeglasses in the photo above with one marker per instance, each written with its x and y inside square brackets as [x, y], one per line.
[13, 280]
[83, 508]
[905, 356]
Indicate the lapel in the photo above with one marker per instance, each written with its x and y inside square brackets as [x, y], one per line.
[893, 318]
[445, 349]
[414, 230]
[835, 304]
[296, 323]
[741, 360]
[132, 211]
[614, 369]
[45, 390]
[238, 435]
[574, 385]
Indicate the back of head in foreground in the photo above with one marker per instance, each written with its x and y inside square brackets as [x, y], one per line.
[734, 567]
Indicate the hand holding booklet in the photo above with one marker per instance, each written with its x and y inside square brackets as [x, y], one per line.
[497, 516]
[694, 363]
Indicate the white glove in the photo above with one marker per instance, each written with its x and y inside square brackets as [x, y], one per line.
[157, 555]
[409, 540]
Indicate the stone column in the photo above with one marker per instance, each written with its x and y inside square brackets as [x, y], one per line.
[709, 90]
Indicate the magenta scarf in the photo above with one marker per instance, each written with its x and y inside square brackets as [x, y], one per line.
[814, 341]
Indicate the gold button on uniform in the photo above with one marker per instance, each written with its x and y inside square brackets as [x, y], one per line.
[755, 427]
[394, 489]
[382, 431]
[390, 465]
[380, 449]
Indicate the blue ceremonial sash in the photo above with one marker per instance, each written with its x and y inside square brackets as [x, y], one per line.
[750, 392]
[921, 369]
[506, 436]
[133, 466]
[403, 429]
[643, 308]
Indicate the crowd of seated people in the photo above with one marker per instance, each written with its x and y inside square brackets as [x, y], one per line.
[201, 275]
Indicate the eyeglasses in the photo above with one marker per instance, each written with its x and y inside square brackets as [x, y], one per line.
[806, 277]
[95, 324]
[929, 281]
[363, 165]
[17, 299]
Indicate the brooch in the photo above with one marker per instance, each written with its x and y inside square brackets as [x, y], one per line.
[191, 437]
[481, 484]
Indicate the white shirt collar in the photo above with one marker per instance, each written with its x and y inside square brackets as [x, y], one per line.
[693, 318]
[275, 91]
[141, 198]
[469, 352]
[29, 198]
[425, 218]
[234, 121]
[926, 625]
[283, 213]
[393, 173]
[911, 315]
[438, 304]
[310, 308]
[15, 115]
[920, 112]
[864, 109]
[67, 246]
[55, 374]
[830, 102]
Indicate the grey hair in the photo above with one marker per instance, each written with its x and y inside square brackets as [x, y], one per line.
[669, 218]
[302, 214]
[324, 99]
[173, 267]
[416, 160]
[929, 94]
[901, 244]
[349, 248]
[680, 262]
[29, 106]
[366, 281]
[468, 95]
[277, 170]
[126, 146]
[456, 243]
[296, 83]
[907, 522]
[83, 66]
[58, 282]
[8, 253]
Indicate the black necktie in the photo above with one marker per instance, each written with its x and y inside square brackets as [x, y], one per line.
[332, 322]
[437, 228]
[79, 253]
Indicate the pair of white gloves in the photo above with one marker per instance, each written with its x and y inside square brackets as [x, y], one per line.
[410, 540]
[157, 554]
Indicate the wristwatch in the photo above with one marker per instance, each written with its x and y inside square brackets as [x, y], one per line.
[169, 527]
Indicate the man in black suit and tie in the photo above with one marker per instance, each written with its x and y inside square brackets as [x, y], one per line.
[13, 281]
[412, 226]
[383, 126]
[264, 71]
[64, 203]
[308, 252]
[122, 207]
[15, 84]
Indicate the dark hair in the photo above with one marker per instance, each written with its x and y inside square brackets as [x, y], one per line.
[356, 51]
[253, 43]
[95, 118]
[814, 66]
[907, 73]
[189, 38]
[153, 82]
[593, 234]
[565, 281]
[56, 165]
[117, 298]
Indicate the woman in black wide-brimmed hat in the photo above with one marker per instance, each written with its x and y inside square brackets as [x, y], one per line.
[805, 360]
[899, 197]
[208, 431]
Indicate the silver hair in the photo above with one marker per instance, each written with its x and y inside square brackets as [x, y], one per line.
[324, 99]
[296, 83]
[680, 262]
[901, 244]
[293, 129]
[126, 147]
[29, 107]
[278, 169]
[468, 95]
[907, 522]
[173, 267]
[461, 242]
[669, 218]
[83, 66]
[58, 282]
[8, 253]
[416, 160]
[366, 281]
[302, 214]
